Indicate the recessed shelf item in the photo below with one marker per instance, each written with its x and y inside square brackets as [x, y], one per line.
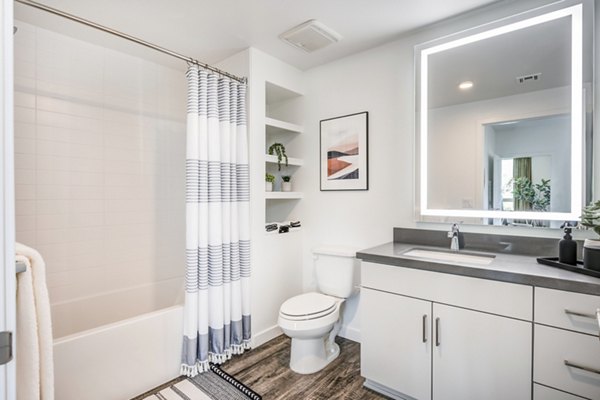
[291, 161]
[274, 125]
[283, 195]
[276, 233]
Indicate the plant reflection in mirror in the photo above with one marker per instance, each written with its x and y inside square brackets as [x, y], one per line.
[531, 196]
[590, 216]
[535, 197]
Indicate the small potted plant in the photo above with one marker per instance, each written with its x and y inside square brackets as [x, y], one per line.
[269, 179]
[590, 218]
[286, 185]
[279, 150]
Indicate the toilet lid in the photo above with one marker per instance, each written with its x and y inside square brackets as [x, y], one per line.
[308, 305]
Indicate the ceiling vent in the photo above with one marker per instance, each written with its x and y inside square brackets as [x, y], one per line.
[310, 36]
[529, 78]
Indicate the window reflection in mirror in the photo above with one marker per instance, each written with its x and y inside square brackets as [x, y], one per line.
[528, 165]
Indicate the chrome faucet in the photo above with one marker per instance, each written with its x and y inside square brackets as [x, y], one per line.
[453, 235]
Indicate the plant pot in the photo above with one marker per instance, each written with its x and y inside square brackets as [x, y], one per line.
[268, 186]
[591, 254]
[286, 186]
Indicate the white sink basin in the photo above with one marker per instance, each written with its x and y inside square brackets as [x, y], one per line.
[450, 256]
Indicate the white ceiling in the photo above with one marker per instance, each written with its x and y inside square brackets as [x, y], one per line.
[212, 30]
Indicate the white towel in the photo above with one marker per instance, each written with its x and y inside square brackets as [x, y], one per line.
[35, 365]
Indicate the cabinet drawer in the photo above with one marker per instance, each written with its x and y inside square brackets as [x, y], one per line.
[559, 308]
[552, 347]
[495, 297]
[545, 393]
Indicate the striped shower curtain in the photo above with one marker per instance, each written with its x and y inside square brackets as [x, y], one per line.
[217, 290]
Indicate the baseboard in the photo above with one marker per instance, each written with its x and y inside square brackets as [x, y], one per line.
[386, 391]
[350, 333]
[265, 335]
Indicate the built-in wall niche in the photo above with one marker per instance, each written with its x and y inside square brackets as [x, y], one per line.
[290, 170]
[283, 121]
[282, 210]
[283, 124]
[283, 104]
[286, 133]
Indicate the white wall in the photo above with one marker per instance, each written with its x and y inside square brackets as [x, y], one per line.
[379, 81]
[100, 177]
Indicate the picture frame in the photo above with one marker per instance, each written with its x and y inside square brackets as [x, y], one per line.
[344, 152]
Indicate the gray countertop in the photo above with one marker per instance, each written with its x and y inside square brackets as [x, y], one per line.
[505, 267]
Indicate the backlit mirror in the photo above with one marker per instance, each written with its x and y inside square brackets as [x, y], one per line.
[503, 122]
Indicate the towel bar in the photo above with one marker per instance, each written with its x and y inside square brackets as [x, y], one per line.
[20, 267]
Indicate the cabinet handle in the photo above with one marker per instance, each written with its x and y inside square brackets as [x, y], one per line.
[595, 316]
[437, 332]
[582, 367]
[598, 320]
[425, 328]
[580, 314]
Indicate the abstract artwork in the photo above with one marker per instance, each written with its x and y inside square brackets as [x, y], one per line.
[344, 152]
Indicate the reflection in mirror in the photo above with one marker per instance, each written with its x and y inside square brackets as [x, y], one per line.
[500, 124]
[526, 155]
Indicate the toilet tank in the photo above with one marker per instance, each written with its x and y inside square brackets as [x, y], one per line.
[334, 267]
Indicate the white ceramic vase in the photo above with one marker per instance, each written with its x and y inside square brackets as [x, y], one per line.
[286, 186]
[268, 186]
[591, 254]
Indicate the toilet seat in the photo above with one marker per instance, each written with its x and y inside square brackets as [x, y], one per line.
[308, 306]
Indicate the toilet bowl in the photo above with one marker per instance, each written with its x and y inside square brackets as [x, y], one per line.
[311, 320]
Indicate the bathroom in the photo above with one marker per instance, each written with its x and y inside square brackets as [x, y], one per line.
[94, 179]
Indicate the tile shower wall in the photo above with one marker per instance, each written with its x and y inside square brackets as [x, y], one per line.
[100, 170]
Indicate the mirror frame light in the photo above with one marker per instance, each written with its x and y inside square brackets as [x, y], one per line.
[575, 12]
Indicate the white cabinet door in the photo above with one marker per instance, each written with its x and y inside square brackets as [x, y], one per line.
[545, 393]
[396, 342]
[480, 356]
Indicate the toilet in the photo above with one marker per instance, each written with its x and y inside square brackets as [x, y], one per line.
[312, 320]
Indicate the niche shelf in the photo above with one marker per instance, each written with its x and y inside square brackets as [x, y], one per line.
[277, 126]
[284, 195]
[296, 162]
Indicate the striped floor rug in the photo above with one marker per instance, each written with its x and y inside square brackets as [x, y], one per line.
[215, 384]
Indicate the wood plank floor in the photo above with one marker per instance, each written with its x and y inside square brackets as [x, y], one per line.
[266, 370]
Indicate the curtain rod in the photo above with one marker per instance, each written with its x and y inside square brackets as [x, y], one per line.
[114, 32]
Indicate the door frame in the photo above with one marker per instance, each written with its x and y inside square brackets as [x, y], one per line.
[7, 196]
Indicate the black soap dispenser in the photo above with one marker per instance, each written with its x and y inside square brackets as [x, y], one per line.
[567, 248]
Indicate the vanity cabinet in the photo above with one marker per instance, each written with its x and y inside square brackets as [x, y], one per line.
[567, 347]
[396, 342]
[541, 392]
[480, 356]
[428, 335]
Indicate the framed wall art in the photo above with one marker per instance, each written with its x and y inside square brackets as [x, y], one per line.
[344, 152]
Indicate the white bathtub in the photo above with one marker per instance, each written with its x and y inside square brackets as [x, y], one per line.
[119, 360]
